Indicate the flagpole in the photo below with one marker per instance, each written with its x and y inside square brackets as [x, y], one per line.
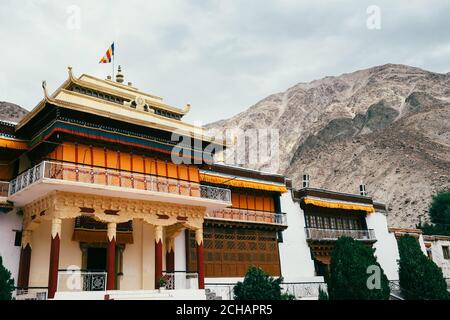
[113, 67]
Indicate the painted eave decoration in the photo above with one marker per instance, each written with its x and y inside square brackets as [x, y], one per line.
[65, 98]
[238, 182]
[338, 204]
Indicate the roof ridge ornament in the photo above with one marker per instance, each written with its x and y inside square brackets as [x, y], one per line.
[44, 87]
[186, 108]
[119, 75]
[69, 69]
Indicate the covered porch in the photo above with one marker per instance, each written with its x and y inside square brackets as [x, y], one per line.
[133, 245]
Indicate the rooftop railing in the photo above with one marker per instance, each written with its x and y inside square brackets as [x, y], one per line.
[249, 216]
[116, 178]
[334, 234]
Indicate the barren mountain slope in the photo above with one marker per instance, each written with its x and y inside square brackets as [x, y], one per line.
[11, 112]
[386, 126]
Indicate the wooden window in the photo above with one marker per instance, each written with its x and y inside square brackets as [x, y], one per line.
[18, 238]
[230, 252]
[446, 252]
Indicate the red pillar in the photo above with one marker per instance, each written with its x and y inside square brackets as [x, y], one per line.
[54, 265]
[24, 266]
[200, 265]
[111, 264]
[158, 262]
[170, 260]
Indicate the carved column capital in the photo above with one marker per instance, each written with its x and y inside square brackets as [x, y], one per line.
[26, 238]
[158, 234]
[112, 227]
[56, 227]
[199, 236]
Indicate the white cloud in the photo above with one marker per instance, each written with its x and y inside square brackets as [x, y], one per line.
[221, 56]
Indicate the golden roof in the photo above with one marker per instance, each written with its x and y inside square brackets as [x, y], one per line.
[123, 111]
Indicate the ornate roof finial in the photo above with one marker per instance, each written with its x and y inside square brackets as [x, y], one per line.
[69, 68]
[186, 108]
[119, 75]
[44, 86]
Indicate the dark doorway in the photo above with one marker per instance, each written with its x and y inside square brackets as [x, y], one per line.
[321, 268]
[96, 259]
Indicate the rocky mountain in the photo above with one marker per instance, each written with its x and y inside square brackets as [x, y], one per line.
[387, 127]
[11, 112]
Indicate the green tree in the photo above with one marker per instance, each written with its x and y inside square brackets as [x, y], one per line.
[6, 282]
[259, 285]
[420, 278]
[351, 273]
[323, 295]
[439, 215]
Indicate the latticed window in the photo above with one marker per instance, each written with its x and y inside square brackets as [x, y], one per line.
[229, 252]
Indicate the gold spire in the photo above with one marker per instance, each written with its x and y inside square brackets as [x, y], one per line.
[119, 75]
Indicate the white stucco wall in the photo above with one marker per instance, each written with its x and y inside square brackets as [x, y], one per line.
[70, 253]
[138, 258]
[295, 255]
[438, 256]
[10, 253]
[180, 252]
[386, 249]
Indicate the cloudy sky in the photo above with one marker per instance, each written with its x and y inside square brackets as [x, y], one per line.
[222, 56]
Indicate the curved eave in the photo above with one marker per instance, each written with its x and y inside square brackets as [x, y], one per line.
[338, 205]
[241, 182]
[15, 144]
[121, 92]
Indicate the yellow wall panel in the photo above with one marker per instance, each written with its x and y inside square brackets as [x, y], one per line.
[125, 161]
[69, 152]
[99, 156]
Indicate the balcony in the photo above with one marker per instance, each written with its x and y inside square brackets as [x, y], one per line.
[316, 234]
[76, 280]
[50, 175]
[180, 280]
[254, 216]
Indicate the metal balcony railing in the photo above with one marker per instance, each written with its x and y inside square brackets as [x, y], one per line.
[31, 293]
[180, 280]
[334, 234]
[4, 188]
[249, 216]
[76, 280]
[117, 178]
[300, 290]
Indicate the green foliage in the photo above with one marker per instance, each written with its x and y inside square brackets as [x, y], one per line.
[162, 282]
[323, 295]
[434, 229]
[420, 278]
[259, 285]
[349, 276]
[6, 283]
[439, 215]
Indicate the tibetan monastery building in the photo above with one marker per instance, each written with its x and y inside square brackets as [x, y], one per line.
[106, 209]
